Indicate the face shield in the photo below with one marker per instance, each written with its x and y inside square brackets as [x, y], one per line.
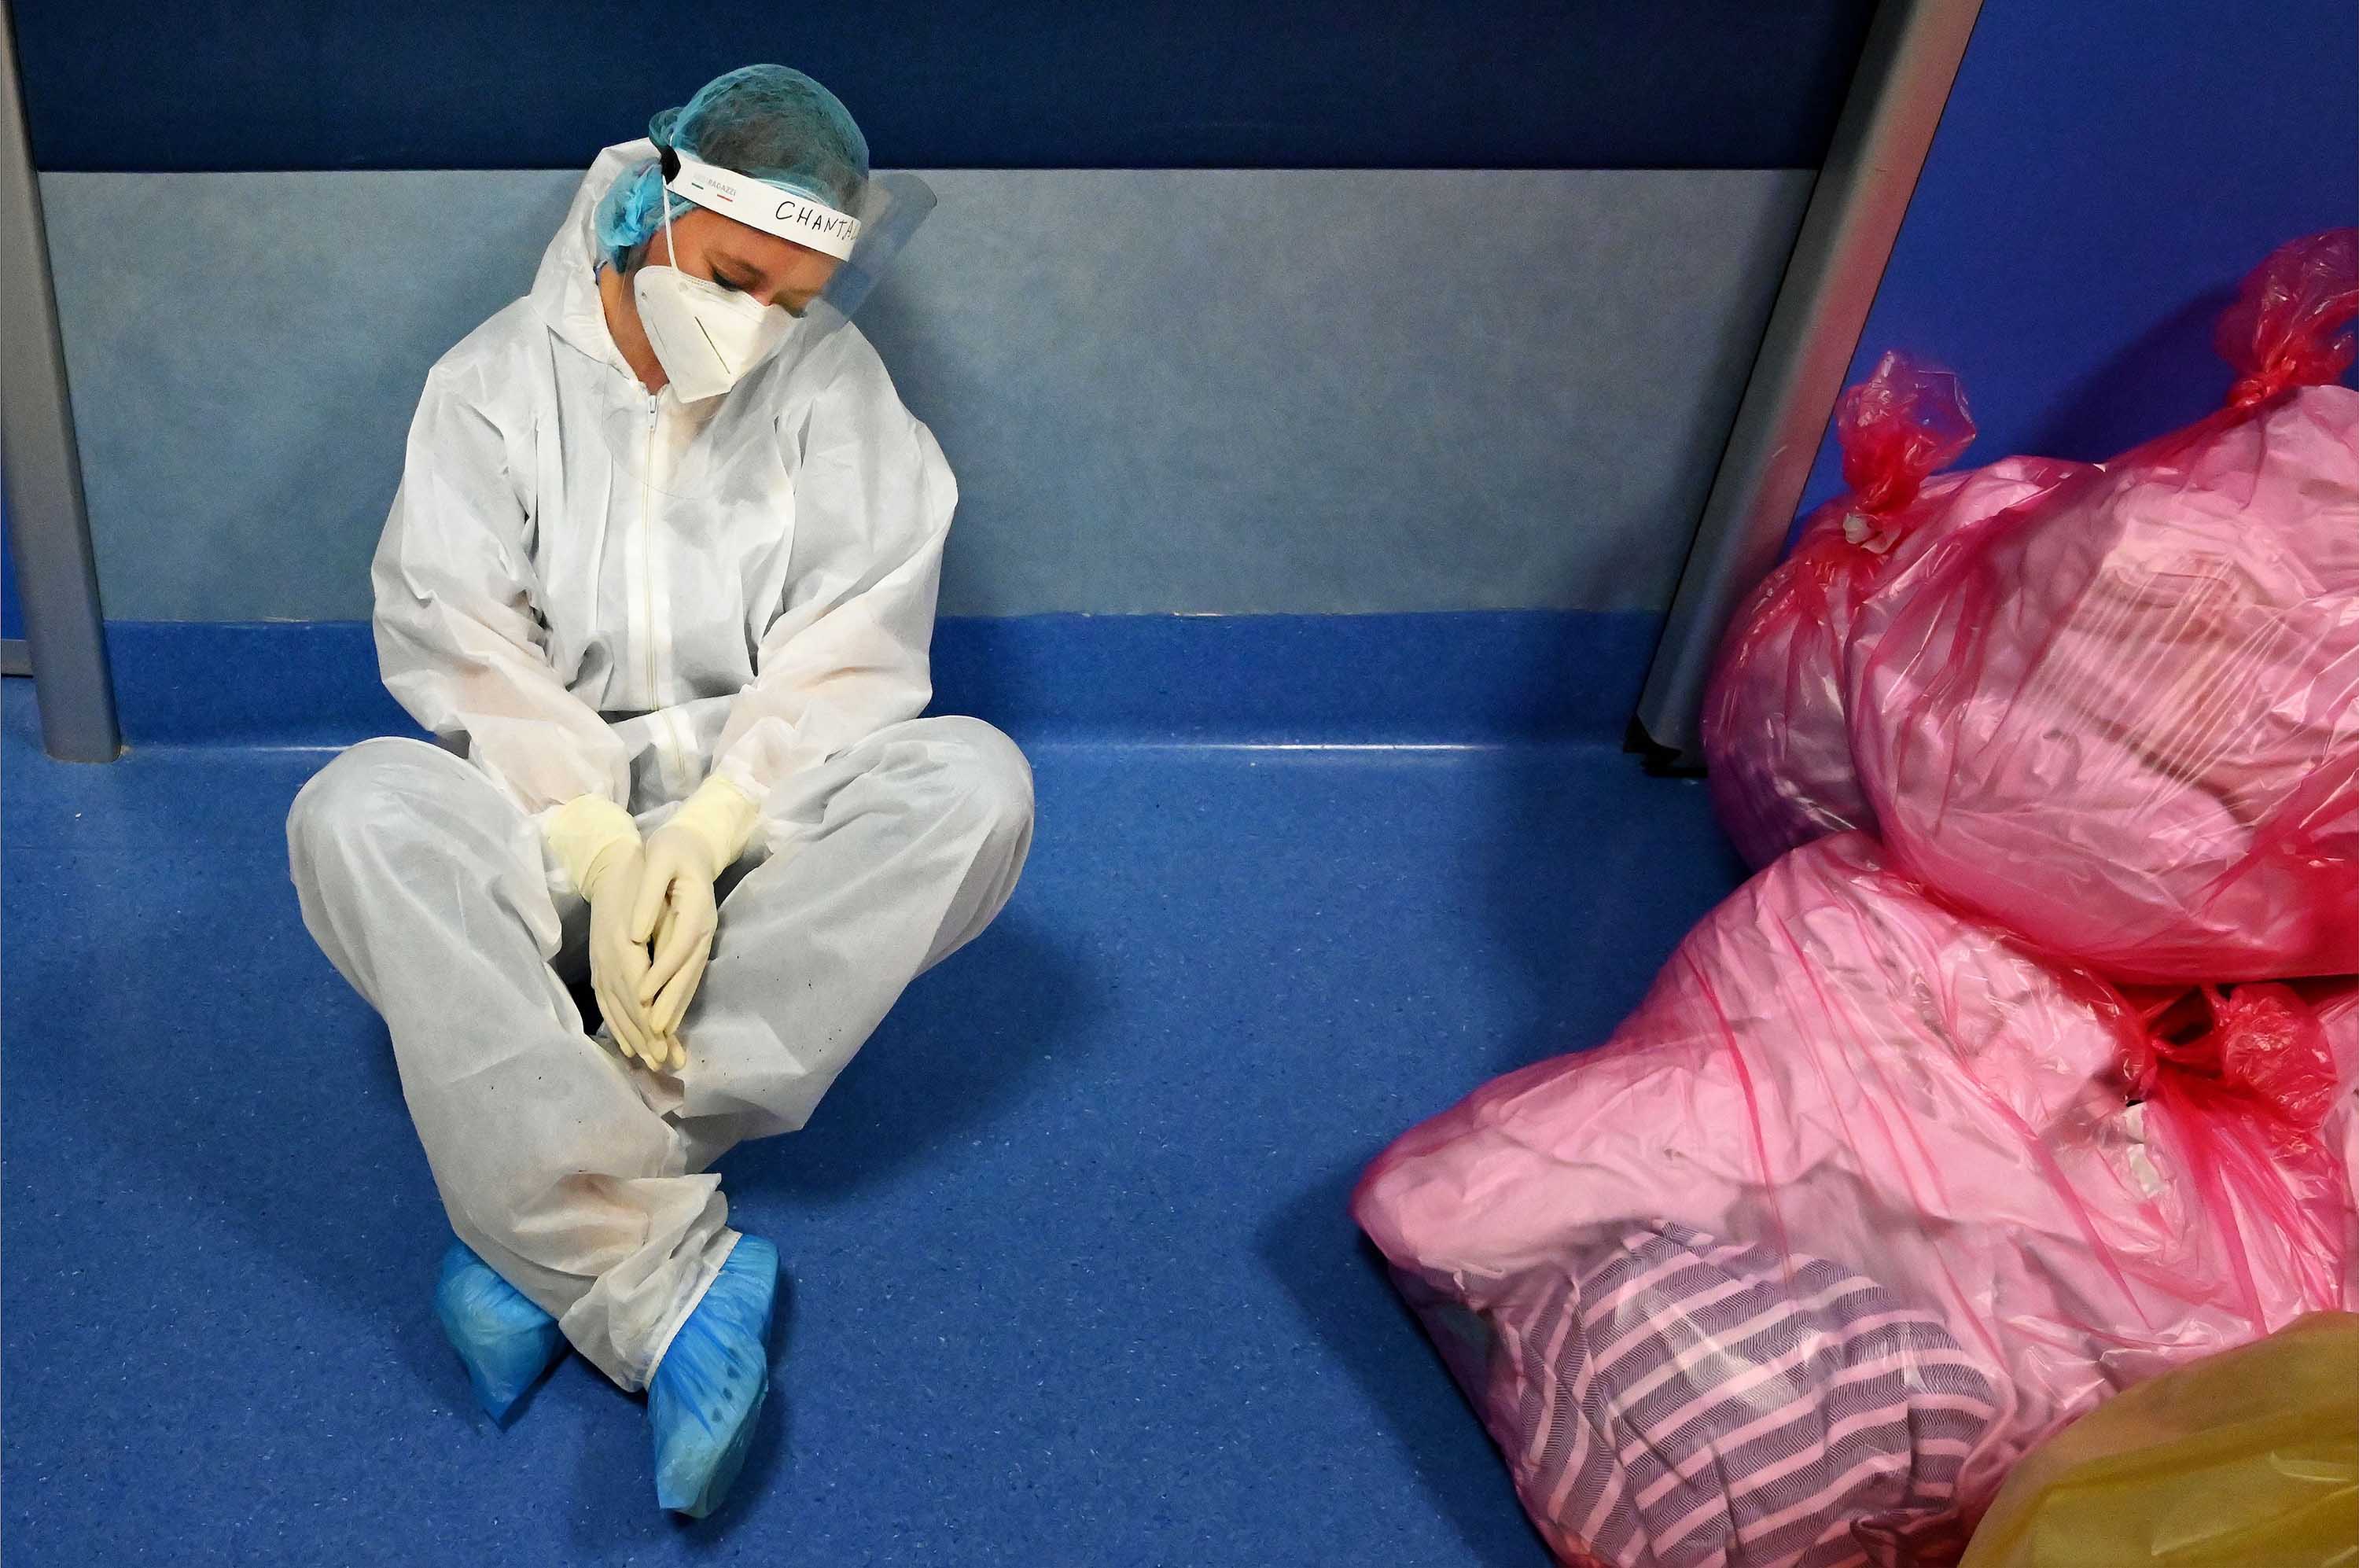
[730, 353]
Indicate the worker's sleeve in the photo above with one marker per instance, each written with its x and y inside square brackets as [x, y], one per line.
[458, 637]
[847, 655]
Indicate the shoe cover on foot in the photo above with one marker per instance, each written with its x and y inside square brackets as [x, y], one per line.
[711, 1383]
[506, 1341]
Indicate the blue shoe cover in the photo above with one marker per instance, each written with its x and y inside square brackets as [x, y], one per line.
[712, 1381]
[506, 1341]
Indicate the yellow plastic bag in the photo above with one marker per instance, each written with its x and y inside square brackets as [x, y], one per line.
[2248, 1459]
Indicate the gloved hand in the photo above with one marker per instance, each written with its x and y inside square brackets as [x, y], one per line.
[598, 844]
[619, 960]
[675, 909]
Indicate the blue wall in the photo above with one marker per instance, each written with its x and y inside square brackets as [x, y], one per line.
[12, 616]
[2104, 176]
[126, 85]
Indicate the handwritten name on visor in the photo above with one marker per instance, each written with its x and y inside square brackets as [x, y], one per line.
[760, 205]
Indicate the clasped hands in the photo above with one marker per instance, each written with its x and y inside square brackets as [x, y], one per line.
[652, 920]
[652, 911]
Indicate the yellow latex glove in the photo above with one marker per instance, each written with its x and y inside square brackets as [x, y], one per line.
[598, 844]
[2243, 1459]
[675, 909]
[618, 961]
[582, 830]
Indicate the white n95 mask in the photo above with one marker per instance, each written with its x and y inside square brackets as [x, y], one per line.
[705, 336]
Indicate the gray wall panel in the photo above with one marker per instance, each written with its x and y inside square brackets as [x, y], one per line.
[245, 352]
[1162, 391]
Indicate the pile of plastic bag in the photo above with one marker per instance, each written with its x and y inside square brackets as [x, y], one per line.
[2123, 720]
[1776, 722]
[1856, 1207]
[2024, 1072]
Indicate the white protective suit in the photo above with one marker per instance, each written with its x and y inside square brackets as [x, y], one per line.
[574, 629]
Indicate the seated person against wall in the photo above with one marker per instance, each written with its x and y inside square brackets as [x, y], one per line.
[661, 576]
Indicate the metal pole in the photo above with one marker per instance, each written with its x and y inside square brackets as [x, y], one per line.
[48, 527]
[1903, 83]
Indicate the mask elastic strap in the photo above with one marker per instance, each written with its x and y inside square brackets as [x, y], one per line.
[669, 166]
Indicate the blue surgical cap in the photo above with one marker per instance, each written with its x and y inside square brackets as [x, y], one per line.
[766, 121]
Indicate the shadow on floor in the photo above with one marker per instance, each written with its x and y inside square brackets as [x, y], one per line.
[961, 1045]
[1583, 892]
[1338, 1280]
[1586, 891]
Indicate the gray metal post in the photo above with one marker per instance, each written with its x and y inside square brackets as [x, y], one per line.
[1896, 97]
[57, 577]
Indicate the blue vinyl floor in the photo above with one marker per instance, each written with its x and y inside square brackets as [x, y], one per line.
[1071, 1277]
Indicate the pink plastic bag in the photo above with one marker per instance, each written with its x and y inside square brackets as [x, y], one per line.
[2123, 720]
[1775, 735]
[2266, 1051]
[1856, 1207]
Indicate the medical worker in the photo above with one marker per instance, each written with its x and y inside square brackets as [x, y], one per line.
[660, 576]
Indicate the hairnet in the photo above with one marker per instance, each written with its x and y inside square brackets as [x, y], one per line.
[766, 121]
